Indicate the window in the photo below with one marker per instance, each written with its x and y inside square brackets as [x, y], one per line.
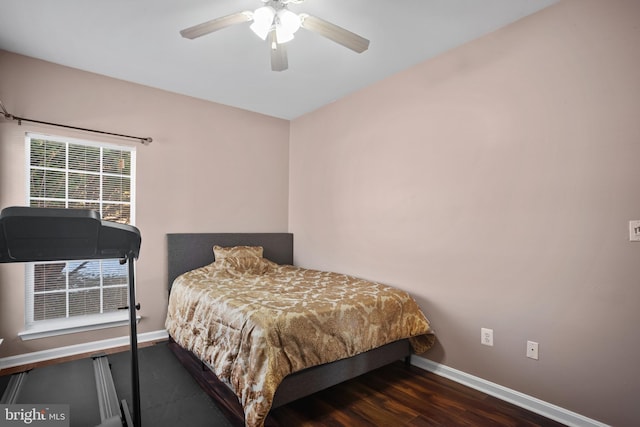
[66, 173]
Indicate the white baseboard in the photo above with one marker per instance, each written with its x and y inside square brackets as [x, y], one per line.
[72, 350]
[522, 400]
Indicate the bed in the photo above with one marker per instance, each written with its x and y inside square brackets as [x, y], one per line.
[248, 331]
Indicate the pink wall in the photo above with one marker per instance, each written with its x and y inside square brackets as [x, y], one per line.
[207, 170]
[495, 183]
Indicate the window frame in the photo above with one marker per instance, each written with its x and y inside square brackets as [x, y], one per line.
[70, 324]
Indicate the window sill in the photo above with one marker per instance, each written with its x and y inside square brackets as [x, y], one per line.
[70, 326]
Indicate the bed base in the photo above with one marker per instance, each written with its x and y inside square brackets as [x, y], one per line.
[296, 385]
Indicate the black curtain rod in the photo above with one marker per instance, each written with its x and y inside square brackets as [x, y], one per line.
[145, 141]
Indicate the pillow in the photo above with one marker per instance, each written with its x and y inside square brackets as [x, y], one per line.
[220, 252]
[244, 265]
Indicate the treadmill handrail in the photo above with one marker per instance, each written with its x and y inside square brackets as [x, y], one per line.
[30, 234]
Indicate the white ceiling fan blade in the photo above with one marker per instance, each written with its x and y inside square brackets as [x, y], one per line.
[333, 32]
[279, 60]
[216, 24]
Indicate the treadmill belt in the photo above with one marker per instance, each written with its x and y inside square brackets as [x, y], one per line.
[70, 383]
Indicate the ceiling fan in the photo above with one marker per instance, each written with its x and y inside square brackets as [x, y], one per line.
[277, 24]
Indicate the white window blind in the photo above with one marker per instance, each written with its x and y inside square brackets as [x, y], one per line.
[66, 173]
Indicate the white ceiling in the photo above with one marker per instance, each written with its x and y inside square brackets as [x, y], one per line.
[139, 41]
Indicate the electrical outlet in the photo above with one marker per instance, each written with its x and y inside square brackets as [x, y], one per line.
[634, 231]
[486, 336]
[532, 350]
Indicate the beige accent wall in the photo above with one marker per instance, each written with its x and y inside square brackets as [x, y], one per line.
[495, 183]
[209, 168]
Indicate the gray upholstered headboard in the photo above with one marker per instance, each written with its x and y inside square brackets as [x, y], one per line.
[187, 251]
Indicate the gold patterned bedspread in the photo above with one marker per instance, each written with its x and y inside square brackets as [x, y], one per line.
[255, 322]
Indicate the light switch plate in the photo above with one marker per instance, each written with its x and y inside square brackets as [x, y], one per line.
[634, 231]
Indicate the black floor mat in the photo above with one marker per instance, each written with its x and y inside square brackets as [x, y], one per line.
[169, 396]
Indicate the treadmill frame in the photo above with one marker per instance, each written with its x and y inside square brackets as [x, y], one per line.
[29, 234]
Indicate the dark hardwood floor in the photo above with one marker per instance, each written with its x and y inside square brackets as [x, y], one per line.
[396, 395]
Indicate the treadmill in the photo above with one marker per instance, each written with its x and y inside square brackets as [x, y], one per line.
[51, 234]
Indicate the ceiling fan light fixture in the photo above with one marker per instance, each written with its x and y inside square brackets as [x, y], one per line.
[288, 20]
[282, 35]
[286, 24]
[263, 18]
